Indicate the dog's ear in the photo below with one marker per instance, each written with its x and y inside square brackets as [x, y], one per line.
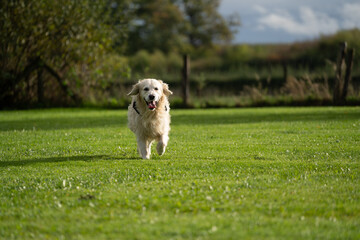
[134, 90]
[166, 90]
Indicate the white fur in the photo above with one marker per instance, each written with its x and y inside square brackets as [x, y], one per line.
[150, 124]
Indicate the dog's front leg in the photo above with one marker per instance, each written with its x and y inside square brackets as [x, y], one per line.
[144, 147]
[161, 146]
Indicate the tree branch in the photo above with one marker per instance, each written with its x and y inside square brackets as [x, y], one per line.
[63, 86]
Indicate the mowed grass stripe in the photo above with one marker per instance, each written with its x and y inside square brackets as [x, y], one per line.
[274, 173]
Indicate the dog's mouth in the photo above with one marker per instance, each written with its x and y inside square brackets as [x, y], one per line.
[151, 105]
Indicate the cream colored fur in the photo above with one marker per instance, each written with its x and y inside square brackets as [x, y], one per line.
[149, 125]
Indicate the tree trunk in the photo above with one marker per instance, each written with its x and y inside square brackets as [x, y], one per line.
[349, 65]
[40, 86]
[63, 86]
[185, 77]
[338, 76]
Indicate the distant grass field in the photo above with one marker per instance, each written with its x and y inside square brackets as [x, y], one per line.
[266, 173]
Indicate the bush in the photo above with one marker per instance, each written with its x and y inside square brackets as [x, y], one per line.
[158, 63]
[140, 62]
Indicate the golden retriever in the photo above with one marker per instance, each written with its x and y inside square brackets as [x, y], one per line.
[149, 115]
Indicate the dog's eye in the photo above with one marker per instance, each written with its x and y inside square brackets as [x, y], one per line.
[156, 89]
[146, 89]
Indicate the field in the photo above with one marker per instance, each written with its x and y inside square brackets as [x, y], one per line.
[263, 173]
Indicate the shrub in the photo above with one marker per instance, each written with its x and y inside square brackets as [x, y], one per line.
[140, 61]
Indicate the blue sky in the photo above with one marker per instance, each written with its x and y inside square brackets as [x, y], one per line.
[282, 21]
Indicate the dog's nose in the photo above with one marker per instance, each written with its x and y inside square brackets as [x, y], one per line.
[151, 97]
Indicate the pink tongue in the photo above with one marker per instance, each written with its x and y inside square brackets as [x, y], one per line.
[152, 105]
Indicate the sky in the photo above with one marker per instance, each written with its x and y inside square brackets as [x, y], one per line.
[285, 21]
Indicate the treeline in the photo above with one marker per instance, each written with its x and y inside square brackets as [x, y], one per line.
[224, 61]
[303, 55]
[67, 52]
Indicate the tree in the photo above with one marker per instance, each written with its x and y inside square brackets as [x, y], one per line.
[204, 25]
[155, 26]
[52, 36]
[171, 25]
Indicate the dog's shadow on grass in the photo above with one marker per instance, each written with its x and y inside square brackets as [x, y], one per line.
[84, 158]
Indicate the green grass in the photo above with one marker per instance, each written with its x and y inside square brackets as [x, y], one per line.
[275, 173]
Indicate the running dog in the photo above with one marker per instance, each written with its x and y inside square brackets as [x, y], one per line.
[149, 115]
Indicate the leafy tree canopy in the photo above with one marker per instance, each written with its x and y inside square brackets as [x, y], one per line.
[180, 25]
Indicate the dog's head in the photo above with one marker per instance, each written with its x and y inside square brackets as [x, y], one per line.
[151, 91]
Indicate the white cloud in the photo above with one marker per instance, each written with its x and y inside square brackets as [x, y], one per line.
[260, 9]
[309, 22]
[286, 21]
[351, 15]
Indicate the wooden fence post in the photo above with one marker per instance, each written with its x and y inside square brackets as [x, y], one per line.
[185, 79]
[349, 65]
[338, 76]
[285, 70]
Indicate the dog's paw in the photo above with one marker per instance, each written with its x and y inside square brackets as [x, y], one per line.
[160, 148]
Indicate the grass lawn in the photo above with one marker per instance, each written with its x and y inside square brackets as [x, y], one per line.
[266, 173]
